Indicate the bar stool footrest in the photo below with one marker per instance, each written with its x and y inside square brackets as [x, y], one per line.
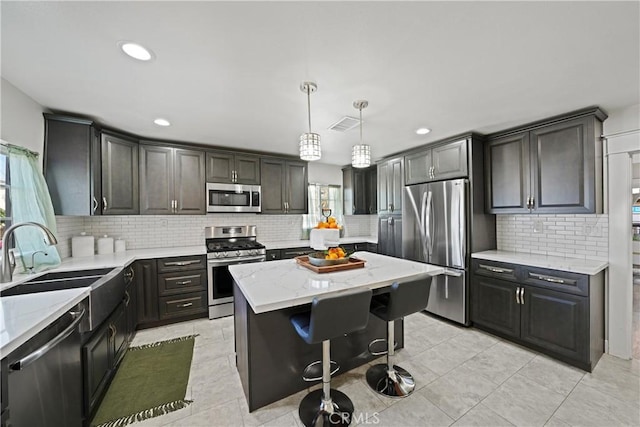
[313, 371]
[375, 342]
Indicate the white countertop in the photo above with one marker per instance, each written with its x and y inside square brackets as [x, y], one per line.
[23, 316]
[275, 285]
[285, 244]
[574, 265]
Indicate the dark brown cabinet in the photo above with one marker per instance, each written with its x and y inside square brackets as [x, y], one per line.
[284, 186]
[171, 289]
[547, 167]
[360, 189]
[233, 168]
[555, 312]
[390, 186]
[146, 277]
[172, 180]
[442, 161]
[119, 175]
[88, 171]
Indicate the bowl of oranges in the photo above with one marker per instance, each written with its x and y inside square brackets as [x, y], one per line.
[331, 256]
[329, 223]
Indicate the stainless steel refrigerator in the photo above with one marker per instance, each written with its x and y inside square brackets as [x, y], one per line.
[435, 230]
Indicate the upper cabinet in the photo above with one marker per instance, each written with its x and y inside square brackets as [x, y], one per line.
[390, 186]
[547, 167]
[360, 190]
[441, 161]
[89, 172]
[284, 186]
[172, 180]
[231, 168]
[119, 175]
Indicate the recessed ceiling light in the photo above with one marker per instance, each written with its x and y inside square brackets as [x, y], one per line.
[423, 131]
[136, 51]
[162, 122]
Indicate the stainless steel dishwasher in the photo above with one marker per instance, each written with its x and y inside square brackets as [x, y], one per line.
[44, 378]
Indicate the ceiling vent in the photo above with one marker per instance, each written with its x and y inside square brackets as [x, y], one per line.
[344, 124]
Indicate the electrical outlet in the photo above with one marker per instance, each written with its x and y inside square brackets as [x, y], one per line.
[164, 223]
[592, 230]
[538, 226]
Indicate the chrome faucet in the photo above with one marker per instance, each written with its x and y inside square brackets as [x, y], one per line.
[6, 270]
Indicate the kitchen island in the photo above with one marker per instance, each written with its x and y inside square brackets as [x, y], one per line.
[270, 356]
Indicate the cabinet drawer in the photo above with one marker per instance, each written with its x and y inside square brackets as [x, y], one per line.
[183, 305]
[182, 282]
[294, 252]
[495, 269]
[563, 281]
[273, 254]
[182, 263]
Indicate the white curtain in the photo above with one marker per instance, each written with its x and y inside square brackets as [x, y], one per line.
[30, 201]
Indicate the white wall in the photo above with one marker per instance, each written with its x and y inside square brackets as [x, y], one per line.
[21, 121]
[622, 130]
[320, 173]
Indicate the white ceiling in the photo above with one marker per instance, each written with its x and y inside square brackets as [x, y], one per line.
[228, 73]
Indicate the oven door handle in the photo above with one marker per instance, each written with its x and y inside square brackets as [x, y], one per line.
[226, 262]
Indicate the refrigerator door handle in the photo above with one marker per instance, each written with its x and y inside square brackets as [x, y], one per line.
[420, 219]
[453, 273]
[429, 225]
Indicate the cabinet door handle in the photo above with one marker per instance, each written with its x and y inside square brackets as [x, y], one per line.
[185, 282]
[518, 295]
[533, 202]
[181, 263]
[522, 295]
[127, 299]
[552, 279]
[187, 304]
[391, 207]
[95, 204]
[104, 203]
[495, 269]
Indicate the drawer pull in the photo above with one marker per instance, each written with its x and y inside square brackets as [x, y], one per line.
[495, 269]
[187, 304]
[181, 263]
[552, 279]
[186, 282]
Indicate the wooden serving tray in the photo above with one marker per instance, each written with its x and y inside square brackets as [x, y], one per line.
[353, 263]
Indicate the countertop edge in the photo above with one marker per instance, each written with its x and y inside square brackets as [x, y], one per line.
[545, 261]
[50, 317]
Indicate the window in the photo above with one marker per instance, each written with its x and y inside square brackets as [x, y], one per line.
[5, 188]
[323, 196]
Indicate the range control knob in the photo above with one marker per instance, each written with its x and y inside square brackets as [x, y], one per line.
[238, 253]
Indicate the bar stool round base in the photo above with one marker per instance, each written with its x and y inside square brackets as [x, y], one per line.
[312, 414]
[398, 383]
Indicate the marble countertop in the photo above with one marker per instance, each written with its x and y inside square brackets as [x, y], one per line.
[23, 316]
[279, 284]
[574, 265]
[285, 244]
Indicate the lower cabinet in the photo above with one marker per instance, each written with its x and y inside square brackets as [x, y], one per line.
[558, 313]
[171, 289]
[101, 355]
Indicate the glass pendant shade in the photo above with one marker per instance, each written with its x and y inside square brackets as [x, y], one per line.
[310, 149]
[361, 156]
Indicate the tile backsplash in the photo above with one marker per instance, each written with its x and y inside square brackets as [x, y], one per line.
[141, 231]
[573, 236]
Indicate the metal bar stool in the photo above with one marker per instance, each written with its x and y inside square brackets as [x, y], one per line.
[403, 299]
[330, 317]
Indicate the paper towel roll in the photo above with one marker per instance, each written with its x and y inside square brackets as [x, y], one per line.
[105, 245]
[82, 245]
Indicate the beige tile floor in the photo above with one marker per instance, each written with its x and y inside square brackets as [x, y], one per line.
[464, 378]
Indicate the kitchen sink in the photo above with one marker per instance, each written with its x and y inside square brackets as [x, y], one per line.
[56, 281]
[107, 289]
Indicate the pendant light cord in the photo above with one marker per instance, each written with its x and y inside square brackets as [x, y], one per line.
[309, 106]
[361, 125]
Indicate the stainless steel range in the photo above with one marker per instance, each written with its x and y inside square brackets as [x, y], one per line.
[227, 246]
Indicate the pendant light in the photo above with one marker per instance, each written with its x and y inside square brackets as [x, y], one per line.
[310, 149]
[361, 153]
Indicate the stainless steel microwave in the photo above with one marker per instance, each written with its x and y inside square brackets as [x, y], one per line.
[233, 198]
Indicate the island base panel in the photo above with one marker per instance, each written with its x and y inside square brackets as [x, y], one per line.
[270, 356]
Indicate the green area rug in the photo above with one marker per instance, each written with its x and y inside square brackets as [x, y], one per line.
[151, 381]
